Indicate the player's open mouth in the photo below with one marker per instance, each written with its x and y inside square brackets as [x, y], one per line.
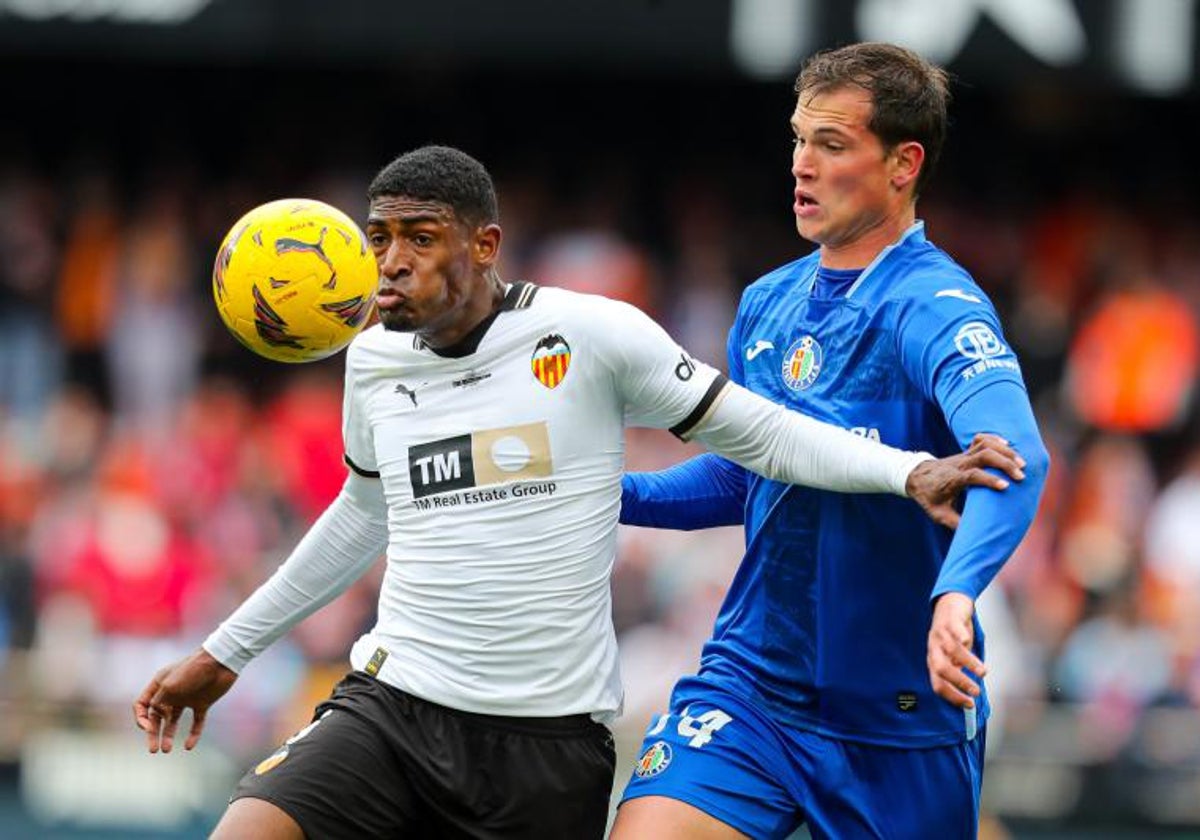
[805, 205]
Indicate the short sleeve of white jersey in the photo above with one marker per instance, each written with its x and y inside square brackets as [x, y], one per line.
[356, 433]
[662, 386]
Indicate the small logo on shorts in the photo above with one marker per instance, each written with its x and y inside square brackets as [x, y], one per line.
[654, 760]
[377, 660]
[906, 701]
[272, 761]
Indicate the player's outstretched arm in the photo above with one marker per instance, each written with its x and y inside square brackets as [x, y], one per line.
[662, 386]
[194, 682]
[788, 446]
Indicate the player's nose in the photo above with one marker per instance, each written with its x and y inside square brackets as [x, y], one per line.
[802, 163]
[396, 262]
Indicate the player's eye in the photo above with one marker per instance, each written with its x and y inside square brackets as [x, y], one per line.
[424, 240]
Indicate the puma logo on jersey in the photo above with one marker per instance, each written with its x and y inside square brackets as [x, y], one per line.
[401, 388]
[759, 346]
[958, 293]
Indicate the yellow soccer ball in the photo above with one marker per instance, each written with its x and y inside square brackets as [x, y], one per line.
[294, 280]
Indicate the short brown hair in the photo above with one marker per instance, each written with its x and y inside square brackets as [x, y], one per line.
[909, 95]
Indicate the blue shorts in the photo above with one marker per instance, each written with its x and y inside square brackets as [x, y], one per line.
[718, 753]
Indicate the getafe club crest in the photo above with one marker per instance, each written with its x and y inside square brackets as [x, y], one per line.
[550, 360]
[654, 760]
[802, 363]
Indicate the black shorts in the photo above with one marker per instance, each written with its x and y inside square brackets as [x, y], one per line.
[377, 762]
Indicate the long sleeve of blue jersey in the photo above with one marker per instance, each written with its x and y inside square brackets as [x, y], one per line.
[993, 523]
[705, 492]
[953, 349]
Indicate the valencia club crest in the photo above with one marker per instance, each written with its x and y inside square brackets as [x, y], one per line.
[551, 359]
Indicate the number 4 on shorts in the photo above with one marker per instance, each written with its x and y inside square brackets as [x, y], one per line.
[708, 723]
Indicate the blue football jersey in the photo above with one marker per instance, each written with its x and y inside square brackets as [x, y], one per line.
[825, 622]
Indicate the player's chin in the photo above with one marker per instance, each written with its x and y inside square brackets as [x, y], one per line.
[399, 320]
[808, 229]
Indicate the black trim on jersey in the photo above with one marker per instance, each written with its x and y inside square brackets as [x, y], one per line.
[518, 296]
[688, 425]
[466, 345]
[358, 469]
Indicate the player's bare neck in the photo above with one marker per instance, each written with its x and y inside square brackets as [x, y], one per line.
[861, 250]
[476, 317]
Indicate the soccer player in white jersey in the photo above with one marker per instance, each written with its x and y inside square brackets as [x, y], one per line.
[483, 425]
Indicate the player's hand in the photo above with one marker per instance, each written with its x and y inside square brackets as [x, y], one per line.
[936, 484]
[949, 650]
[195, 682]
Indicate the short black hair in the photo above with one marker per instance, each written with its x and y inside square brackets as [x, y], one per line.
[909, 95]
[443, 174]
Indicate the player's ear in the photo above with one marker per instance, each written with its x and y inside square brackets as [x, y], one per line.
[486, 244]
[906, 160]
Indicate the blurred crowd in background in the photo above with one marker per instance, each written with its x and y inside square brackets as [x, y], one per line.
[153, 472]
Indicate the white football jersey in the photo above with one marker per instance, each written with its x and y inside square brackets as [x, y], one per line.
[501, 469]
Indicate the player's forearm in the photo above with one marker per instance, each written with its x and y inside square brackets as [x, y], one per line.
[788, 446]
[704, 492]
[341, 545]
[993, 524]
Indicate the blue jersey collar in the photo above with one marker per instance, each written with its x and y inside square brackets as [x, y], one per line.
[915, 232]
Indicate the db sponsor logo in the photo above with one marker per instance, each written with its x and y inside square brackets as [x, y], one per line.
[975, 340]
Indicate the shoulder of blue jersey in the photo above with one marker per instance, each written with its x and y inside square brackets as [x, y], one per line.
[786, 274]
[935, 279]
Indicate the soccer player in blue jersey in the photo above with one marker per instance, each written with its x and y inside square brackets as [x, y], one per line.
[842, 687]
